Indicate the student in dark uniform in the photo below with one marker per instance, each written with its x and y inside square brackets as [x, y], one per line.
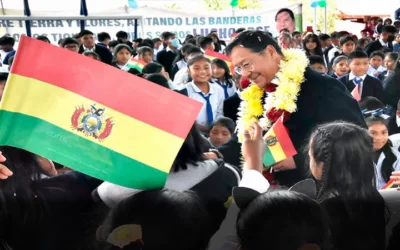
[322, 99]
[368, 85]
[385, 41]
[88, 44]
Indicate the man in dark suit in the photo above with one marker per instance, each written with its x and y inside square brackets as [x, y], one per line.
[166, 57]
[321, 99]
[231, 106]
[368, 85]
[88, 44]
[385, 41]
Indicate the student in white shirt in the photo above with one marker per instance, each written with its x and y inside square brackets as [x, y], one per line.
[375, 64]
[211, 95]
[182, 76]
[222, 76]
[386, 158]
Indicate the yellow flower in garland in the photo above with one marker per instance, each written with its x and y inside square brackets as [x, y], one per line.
[288, 80]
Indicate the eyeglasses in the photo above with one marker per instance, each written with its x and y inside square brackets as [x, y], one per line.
[248, 66]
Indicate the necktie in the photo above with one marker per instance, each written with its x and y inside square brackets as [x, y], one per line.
[358, 81]
[225, 87]
[210, 116]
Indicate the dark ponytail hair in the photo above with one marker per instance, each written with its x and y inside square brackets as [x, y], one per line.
[390, 157]
[223, 65]
[19, 204]
[346, 152]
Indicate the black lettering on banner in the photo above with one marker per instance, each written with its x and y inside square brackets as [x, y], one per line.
[117, 23]
[131, 22]
[102, 23]
[34, 24]
[50, 23]
[42, 23]
[21, 23]
[54, 35]
[59, 24]
[70, 23]
[66, 35]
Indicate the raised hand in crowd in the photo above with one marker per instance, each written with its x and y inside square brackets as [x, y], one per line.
[4, 171]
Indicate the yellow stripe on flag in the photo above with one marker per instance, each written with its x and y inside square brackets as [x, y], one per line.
[56, 105]
[276, 150]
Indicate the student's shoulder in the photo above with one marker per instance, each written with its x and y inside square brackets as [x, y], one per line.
[217, 88]
[102, 49]
[373, 80]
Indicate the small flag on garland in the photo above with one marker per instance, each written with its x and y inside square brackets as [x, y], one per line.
[279, 144]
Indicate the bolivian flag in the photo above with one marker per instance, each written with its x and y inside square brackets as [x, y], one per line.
[213, 55]
[279, 145]
[92, 117]
[388, 185]
[134, 63]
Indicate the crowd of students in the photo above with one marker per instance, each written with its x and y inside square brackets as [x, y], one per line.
[339, 206]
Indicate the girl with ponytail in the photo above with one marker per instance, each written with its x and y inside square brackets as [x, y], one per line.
[341, 160]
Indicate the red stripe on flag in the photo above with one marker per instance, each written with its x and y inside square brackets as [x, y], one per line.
[222, 57]
[126, 93]
[388, 185]
[356, 93]
[283, 138]
[141, 63]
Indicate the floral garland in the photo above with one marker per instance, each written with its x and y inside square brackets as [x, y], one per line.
[281, 94]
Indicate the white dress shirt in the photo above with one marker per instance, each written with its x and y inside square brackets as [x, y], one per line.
[92, 49]
[231, 90]
[217, 101]
[352, 76]
[383, 43]
[181, 77]
[331, 53]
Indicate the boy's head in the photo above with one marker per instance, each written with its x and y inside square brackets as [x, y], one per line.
[112, 45]
[376, 59]
[297, 37]
[388, 33]
[206, 43]
[87, 39]
[3, 80]
[122, 36]
[358, 62]
[7, 43]
[157, 43]
[335, 37]
[317, 63]
[371, 103]
[340, 66]
[347, 44]
[104, 38]
[70, 44]
[325, 40]
[146, 54]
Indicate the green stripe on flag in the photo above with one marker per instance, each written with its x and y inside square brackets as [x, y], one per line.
[268, 158]
[133, 66]
[47, 140]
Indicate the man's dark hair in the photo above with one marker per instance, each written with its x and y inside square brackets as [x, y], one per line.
[256, 41]
[3, 77]
[147, 42]
[69, 40]
[113, 44]
[370, 103]
[289, 11]
[345, 39]
[316, 59]
[296, 33]
[43, 38]
[205, 41]
[155, 40]
[335, 35]
[377, 53]
[76, 36]
[389, 29]
[7, 40]
[166, 35]
[85, 32]
[121, 34]
[357, 55]
[324, 37]
[240, 30]
[103, 36]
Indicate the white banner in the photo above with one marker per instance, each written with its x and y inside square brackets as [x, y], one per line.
[155, 21]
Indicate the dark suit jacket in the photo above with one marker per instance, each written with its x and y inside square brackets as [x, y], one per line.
[393, 128]
[322, 99]
[103, 52]
[374, 46]
[231, 106]
[371, 86]
[166, 58]
[392, 89]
